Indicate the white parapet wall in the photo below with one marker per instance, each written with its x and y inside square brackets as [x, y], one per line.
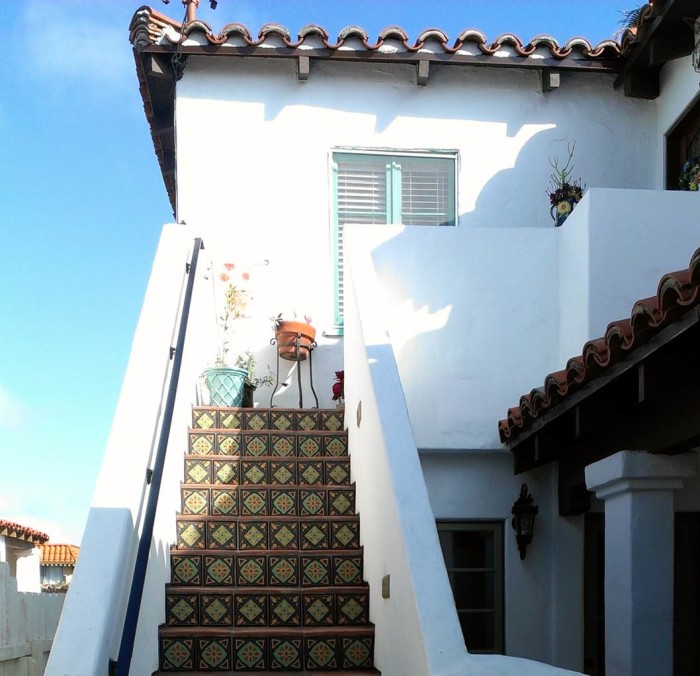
[411, 604]
[27, 626]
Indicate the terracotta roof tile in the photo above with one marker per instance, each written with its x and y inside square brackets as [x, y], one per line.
[59, 555]
[149, 27]
[677, 292]
[19, 532]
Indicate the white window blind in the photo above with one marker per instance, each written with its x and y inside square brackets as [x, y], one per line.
[400, 189]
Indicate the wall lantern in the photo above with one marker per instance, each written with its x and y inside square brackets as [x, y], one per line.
[524, 512]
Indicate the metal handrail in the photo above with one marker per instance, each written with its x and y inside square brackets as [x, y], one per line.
[126, 648]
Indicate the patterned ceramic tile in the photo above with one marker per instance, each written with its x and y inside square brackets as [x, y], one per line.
[282, 473]
[197, 471]
[332, 421]
[285, 654]
[221, 535]
[321, 653]
[218, 570]
[307, 420]
[181, 610]
[256, 420]
[318, 610]
[214, 654]
[352, 609]
[284, 535]
[310, 472]
[191, 535]
[253, 535]
[250, 610]
[251, 571]
[314, 535]
[285, 610]
[254, 472]
[284, 570]
[310, 446]
[253, 502]
[335, 445]
[315, 571]
[195, 501]
[228, 443]
[282, 445]
[226, 472]
[281, 420]
[347, 570]
[186, 569]
[283, 502]
[341, 502]
[201, 443]
[345, 534]
[177, 654]
[203, 418]
[249, 654]
[338, 472]
[230, 419]
[357, 653]
[313, 502]
[224, 502]
[256, 444]
[217, 610]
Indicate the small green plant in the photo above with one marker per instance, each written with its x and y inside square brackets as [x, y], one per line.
[247, 362]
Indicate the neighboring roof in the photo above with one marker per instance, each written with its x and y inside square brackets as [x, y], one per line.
[676, 294]
[59, 555]
[19, 532]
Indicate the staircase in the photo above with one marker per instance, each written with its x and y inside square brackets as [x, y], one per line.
[267, 569]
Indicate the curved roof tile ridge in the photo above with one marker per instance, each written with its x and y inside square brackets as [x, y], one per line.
[150, 26]
[18, 531]
[676, 293]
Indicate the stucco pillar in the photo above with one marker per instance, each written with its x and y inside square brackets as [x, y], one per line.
[638, 491]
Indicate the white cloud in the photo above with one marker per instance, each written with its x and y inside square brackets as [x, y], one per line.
[69, 40]
[11, 411]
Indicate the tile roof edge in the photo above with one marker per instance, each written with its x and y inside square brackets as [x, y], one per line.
[20, 532]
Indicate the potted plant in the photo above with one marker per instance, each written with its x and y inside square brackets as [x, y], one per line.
[690, 174]
[564, 193]
[246, 362]
[225, 382]
[294, 339]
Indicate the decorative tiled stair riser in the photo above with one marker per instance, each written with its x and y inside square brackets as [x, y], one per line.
[266, 572]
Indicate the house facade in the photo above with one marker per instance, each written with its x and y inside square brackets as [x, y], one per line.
[395, 192]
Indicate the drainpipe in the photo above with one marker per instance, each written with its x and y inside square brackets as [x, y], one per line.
[192, 6]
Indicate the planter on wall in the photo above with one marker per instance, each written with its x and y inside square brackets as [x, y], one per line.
[294, 340]
[225, 385]
[561, 211]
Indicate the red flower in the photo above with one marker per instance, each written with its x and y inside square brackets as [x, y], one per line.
[229, 266]
[339, 385]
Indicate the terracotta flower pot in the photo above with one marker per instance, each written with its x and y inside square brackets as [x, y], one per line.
[294, 340]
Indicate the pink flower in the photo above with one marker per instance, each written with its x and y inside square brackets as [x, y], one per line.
[229, 266]
[224, 277]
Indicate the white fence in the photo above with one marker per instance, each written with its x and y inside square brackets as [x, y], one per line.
[27, 626]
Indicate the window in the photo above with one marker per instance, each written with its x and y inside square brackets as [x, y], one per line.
[408, 189]
[473, 553]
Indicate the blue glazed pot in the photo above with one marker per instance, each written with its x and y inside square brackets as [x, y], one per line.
[225, 385]
[561, 210]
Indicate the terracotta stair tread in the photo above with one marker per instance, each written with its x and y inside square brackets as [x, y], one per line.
[364, 672]
[172, 588]
[268, 632]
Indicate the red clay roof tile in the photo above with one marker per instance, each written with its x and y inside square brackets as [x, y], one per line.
[59, 555]
[677, 292]
[19, 532]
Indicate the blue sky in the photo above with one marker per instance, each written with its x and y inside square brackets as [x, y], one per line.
[83, 202]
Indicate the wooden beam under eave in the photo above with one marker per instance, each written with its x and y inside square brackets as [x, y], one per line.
[422, 72]
[642, 84]
[668, 47]
[157, 66]
[303, 68]
[549, 80]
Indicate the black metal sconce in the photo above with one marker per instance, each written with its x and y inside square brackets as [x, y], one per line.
[524, 512]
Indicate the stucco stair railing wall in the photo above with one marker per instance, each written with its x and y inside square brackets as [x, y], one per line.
[417, 629]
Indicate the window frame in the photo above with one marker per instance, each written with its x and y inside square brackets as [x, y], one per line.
[393, 197]
[497, 529]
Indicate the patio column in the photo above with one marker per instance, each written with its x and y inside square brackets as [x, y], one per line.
[638, 491]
